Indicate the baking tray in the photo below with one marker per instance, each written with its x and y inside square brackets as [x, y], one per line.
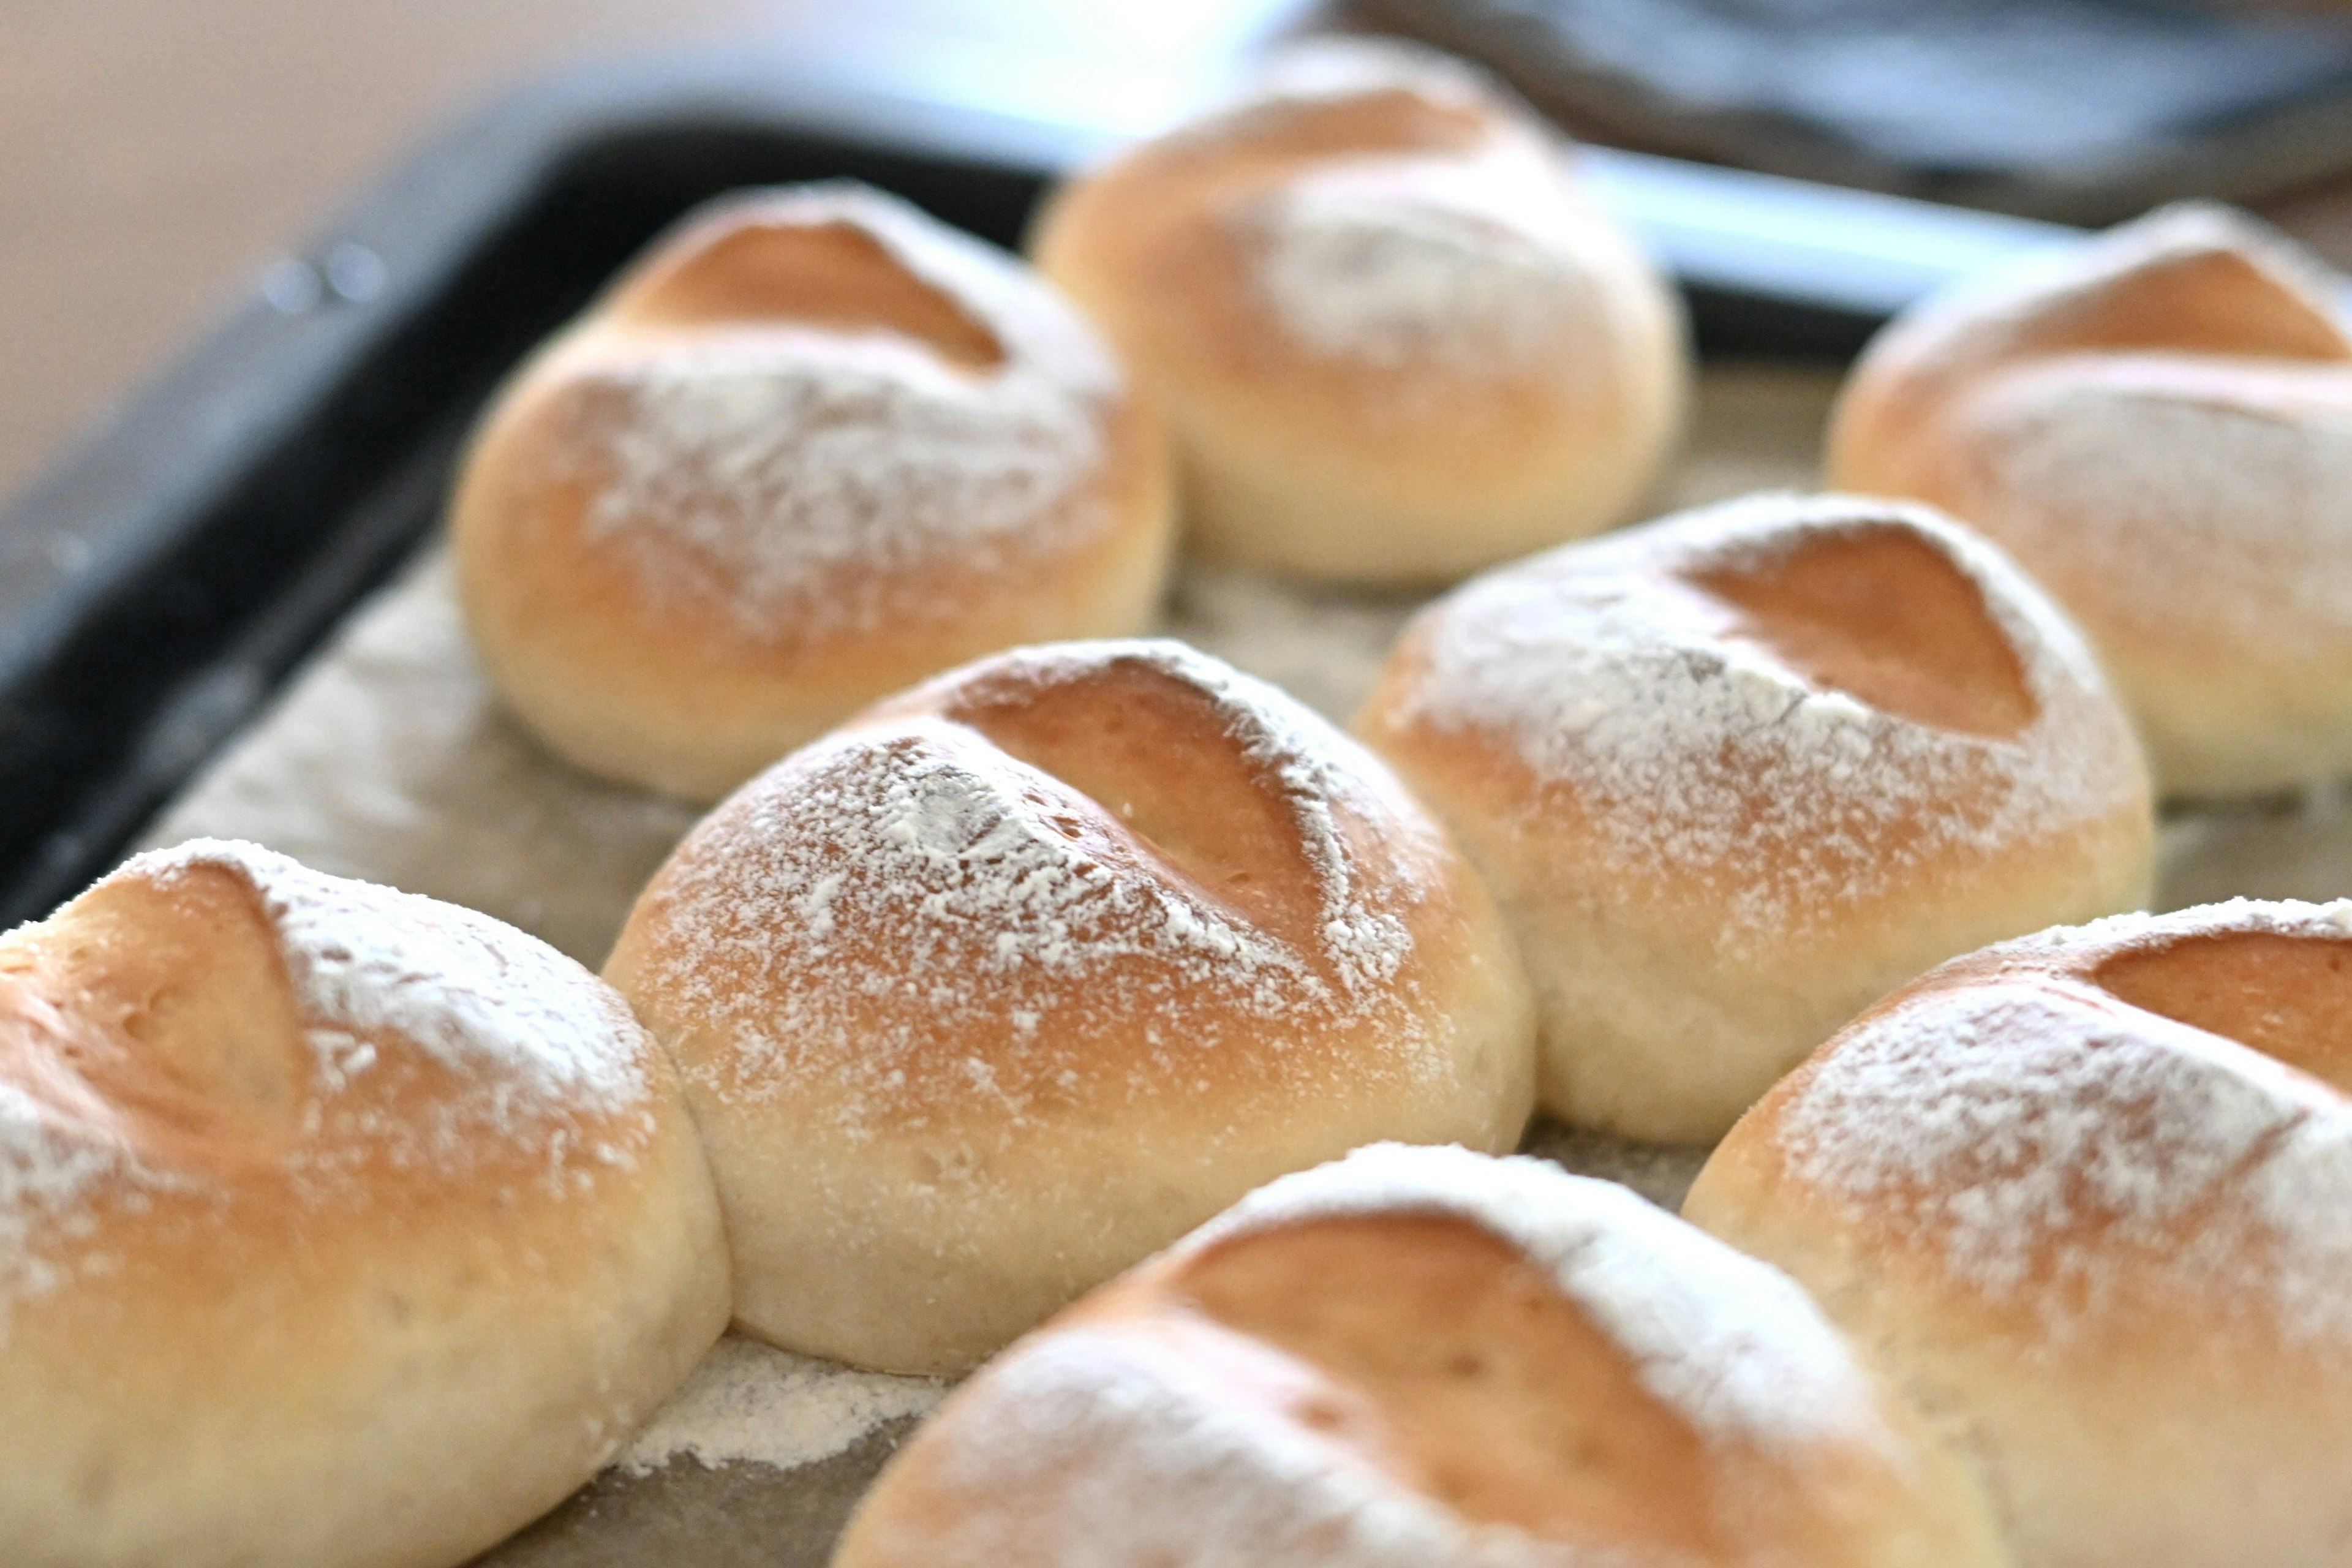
[161, 583]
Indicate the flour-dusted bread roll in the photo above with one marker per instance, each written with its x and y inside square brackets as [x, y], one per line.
[813, 447]
[1029, 971]
[1424, 1358]
[1734, 775]
[339, 1229]
[2158, 427]
[2089, 1196]
[1394, 338]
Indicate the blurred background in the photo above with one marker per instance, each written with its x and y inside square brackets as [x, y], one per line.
[160, 157]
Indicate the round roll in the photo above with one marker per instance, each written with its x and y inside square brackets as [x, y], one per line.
[2085, 1195]
[1394, 339]
[339, 1229]
[2158, 425]
[1424, 1358]
[1026, 973]
[1734, 775]
[813, 447]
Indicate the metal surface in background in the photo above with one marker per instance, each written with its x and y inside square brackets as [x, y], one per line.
[158, 585]
[2090, 110]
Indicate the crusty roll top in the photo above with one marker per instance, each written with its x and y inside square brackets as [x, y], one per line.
[2191, 282]
[1371, 204]
[1383, 209]
[809, 411]
[815, 446]
[1423, 1356]
[2158, 425]
[1044, 853]
[1732, 1354]
[1794, 703]
[1393, 337]
[2098, 1129]
[218, 1020]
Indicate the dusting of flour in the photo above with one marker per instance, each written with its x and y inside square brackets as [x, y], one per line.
[2209, 498]
[2055, 1146]
[1004, 899]
[749, 1402]
[45, 1171]
[794, 476]
[479, 997]
[1603, 668]
[790, 487]
[1385, 262]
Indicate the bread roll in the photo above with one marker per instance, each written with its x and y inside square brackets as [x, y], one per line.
[1027, 971]
[813, 447]
[1394, 338]
[2158, 425]
[2088, 1197]
[339, 1229]
[1422, 1358]
[1734, 774]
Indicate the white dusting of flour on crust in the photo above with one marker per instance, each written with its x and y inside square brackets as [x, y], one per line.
[904, 877]
[2037, 303]
[2209, 495]
[1731, 1343]
[788, 487]
[46, 1169]
[2058, 1147]
[1604, 669]
[2188, 498]
[481, 997]
[1398, 263]
[792, 477]
[1469, 253]
[749, 1402]
[540, 1040]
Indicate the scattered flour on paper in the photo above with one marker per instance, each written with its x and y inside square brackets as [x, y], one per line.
[751, 1403]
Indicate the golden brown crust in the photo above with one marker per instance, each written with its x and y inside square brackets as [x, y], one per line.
[1882, 614]
[2067, 1195]
[812, 447]
[1393, 337]
[1023, 974]
[282, 1282]
[2151, 425]
[1453, 1363]
[1473, 1381]
[1734, 774]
